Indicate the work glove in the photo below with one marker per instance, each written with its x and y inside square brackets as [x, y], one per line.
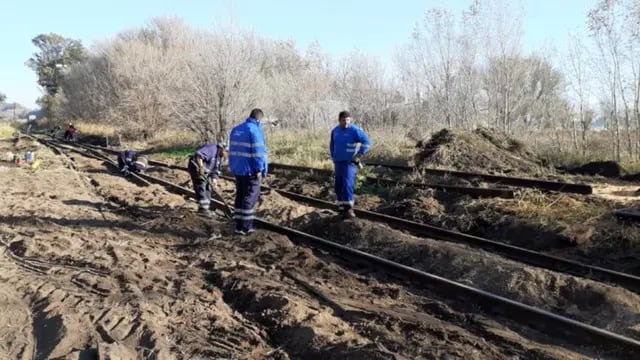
[125, 170]
[356, 160]
[217, 173]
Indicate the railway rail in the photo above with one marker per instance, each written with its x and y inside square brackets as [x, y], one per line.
[517, 253]
[534, 317]
[629, 215]
[492, 179]
[476, 192]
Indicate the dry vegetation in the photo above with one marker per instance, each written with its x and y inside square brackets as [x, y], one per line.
[456, 70]
[170, 86]
[6, 130]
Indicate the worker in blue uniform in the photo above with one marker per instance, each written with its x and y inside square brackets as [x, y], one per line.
[348, 144]
[132, 161]
[205, 169]
[248, 162]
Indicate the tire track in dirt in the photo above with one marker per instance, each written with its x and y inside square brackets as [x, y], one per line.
[99, 278]
[278, 209]
[129, 202]
[357, 315]
[376, 319]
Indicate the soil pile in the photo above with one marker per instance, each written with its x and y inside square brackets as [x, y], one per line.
[609, 169]
[481, 150]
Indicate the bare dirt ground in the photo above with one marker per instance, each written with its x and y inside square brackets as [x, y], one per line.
[95, 267]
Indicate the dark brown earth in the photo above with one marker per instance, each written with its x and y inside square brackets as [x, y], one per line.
[97, 267]
[579, 227]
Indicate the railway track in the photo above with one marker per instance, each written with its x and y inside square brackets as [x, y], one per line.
[476, 192]
[580, 333]
[520, 254]
[492, 179]
[628, 215]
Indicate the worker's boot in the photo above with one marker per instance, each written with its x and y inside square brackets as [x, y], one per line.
[349, 214]
[204, 212]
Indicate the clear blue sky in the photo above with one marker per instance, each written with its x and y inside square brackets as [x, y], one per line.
[338, 25]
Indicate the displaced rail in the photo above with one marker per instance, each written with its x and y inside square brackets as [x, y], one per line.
[475, 192]
[524, 255]
[534, 317]
[89, 153]
[628, 215]
[493, 179]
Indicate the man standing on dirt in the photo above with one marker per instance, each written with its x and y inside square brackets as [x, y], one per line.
[248, 162]
[205, 169]
[346, 159]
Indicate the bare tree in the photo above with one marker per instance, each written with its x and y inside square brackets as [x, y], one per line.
[221, 81]
[360, 82]
[502, 43]
[579, 86]
[438, 67]
[603, 25]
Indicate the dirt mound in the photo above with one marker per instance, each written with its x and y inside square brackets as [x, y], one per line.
[609, 169]
[275, 207]
[481, 150]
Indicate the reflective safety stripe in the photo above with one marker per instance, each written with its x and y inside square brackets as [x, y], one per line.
[246, 144]
[140, 163]
[245, 217]
[345, 203]
[244, 211]
[204, 202]
[245, 154]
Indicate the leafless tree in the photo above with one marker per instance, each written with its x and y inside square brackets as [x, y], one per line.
[579, 87]
[219, 83]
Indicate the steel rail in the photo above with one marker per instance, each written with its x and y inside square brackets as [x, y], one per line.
[513, 252]
[494, 179]
[532, 316]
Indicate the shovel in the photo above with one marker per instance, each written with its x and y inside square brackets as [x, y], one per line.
[225, 209]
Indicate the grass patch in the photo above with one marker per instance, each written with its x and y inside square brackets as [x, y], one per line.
[177, 152]
[311, 148]
[6, 131]
[391, 146]
[632, 167]
[174, 140]
[95, 129]
[549, 210]
[299, 148]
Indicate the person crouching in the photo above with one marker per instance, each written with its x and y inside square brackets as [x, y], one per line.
[131, 161]
[205, 170]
